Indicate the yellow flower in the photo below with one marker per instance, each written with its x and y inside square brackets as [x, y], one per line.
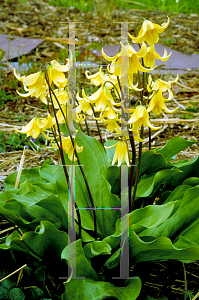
[56, 72]
[140, 117]
[157, 104]
[149, 32]
[62, 97]
[161, 85]
[121, 153]
[112, 125]
[68, 147]
[149, 59]
[37, 126]
[83, 106]
[35, 84]
[132, 59]
[102, 98]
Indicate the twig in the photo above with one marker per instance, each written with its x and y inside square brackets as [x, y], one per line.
[13, 273]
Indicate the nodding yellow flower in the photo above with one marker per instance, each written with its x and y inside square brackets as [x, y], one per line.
[56, 72]
[149, 59]
[157, 104]
[161, 85]
[62, 97]
[149, 32]
[121, 153]
[68, 147]
[112, 125]
[97, 78]
[102, 98]
[37, 126]
[83, 106]
[140, 117]
[35, 84]
[132, 60]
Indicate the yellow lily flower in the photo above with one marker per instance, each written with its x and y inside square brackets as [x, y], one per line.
[35, 84]
[37, 126]
[149, 59]
[121, 153]
[161, 85]
[56, 72]
[62, 97]
[157, 104]
[149, 32]
[83, 106]
[68, 147]
[140, 117]
[112, 125]
[102, 98]
[133, 60]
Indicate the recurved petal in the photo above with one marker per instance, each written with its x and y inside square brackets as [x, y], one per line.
[60, 68]
[110, 58]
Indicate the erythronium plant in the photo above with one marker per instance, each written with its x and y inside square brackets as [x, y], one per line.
[39, 206]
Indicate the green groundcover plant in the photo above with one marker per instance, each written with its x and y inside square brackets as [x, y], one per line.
[100, 193]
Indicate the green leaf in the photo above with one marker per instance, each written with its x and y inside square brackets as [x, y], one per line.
[184, 219]
[79, 262]
[174, 146]
[46, 172]
[41, 273]
[151, 216]
[95, 162]
[87, 289]
[32, 175]
[34, 293]
[148, 183]
[97, 248]
[3, 292]
[192, 181]
[16, 294]
[160, 248]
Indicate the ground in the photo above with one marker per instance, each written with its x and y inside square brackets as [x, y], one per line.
[36, 19]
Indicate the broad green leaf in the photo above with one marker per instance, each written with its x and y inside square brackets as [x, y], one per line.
[151, 162]
[188, 168]
[192, 181]
[32, 175]
[95, 162]
[160, 248]
[46, 172]
[45, 241]
[151, 216]
[41, 273]
[148, 183]
[174, 146]
[183, 222]
[88, 289]
[74, 253]
[34, 293]
[97, 248]
[16, 294]
[3, 292]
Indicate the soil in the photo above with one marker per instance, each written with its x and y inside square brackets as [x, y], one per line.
[36, 19]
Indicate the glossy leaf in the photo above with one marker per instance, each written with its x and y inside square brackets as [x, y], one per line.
[88, 289]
